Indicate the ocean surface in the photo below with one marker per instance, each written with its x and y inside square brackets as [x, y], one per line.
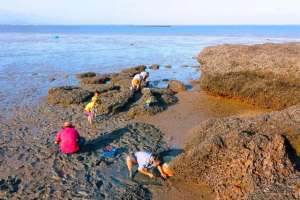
[32, 56]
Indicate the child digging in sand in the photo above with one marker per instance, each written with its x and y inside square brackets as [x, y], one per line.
[89, 109]
[145, 162]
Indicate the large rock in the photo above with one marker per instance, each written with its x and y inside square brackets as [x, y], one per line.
[114, 101]
[67, 95]
[133, 70]
[85, 75]
[241, 157]
[176, 86]
[152, 101]
[100, 79]
[267, 75]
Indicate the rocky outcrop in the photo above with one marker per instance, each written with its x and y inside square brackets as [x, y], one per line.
[86, 75]
[242, 157]
[68, 95]
[100, 79]
[115, 94]
[176, 86]
[154, 66]
[267, 75]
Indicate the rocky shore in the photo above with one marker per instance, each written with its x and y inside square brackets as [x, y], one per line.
[266, 75]
[31, 165]
[233, 157]
[256, 157]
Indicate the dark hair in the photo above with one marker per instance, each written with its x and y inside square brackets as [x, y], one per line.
[156, 157]
[97, 92]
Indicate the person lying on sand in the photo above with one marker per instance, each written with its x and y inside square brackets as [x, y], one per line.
[68, 138]
[89, 109]
[145, 162]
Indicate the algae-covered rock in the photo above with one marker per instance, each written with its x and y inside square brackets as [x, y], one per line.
[86, 75]
[267, 75]
[176, 86]
[101, 79]
[67, 95]
[154, 66]
[239, 157]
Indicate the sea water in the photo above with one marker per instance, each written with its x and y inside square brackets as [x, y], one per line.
[36, 58]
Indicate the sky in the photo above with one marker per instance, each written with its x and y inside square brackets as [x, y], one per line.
[150, 12]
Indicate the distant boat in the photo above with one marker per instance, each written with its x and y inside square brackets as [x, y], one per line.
[56, 37]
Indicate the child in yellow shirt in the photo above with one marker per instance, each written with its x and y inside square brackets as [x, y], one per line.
[90, 107]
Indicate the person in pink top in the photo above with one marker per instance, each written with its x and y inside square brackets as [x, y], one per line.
[68, 138]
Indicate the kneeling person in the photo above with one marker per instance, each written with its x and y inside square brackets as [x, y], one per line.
[145, 162]
[68, 138]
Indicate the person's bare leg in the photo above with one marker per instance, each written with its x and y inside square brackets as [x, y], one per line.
[130, 164]
[90, 120]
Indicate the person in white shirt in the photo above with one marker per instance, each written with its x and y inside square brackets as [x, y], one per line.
[145, 161]
[136, 82]
[144, 76]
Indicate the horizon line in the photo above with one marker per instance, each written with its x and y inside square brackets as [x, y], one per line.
[150, 25]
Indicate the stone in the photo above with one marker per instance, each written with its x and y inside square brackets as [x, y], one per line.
[154, 66]
[101, 79]
[176, 86]
[85, 75]
[68, 95]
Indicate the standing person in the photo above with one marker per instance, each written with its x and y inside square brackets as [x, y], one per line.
[145, 162]
[136, 82]
[68, 139]
[90, 107]
[89, 111]
[95, 98]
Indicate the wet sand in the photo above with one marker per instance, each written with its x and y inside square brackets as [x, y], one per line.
[177, 123]
[193, 108]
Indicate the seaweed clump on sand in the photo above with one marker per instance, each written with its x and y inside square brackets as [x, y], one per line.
[267, 75]
[245, 158]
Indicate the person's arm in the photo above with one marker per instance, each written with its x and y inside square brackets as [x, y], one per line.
[77, 135]
[146, 172]
[57, 139]
[161, 172]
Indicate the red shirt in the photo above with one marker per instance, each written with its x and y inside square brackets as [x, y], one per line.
[68, 139]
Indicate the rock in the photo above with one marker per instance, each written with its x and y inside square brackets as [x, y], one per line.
[67, 95]
[238, 157]
[176, 86]
[267, 75]
[185, 66]
[51, 79]
[168, 66]
[113, 102]
[85, 75]
[154, 67]
[169, 99]
[101, 79]
[130, 72]
[102, 88]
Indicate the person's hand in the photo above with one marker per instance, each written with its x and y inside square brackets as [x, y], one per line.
[151, 175]
[56, 142]
[164, 176]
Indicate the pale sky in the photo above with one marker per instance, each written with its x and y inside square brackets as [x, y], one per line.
[150, 12]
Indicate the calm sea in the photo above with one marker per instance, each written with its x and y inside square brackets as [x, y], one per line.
[32, 55]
